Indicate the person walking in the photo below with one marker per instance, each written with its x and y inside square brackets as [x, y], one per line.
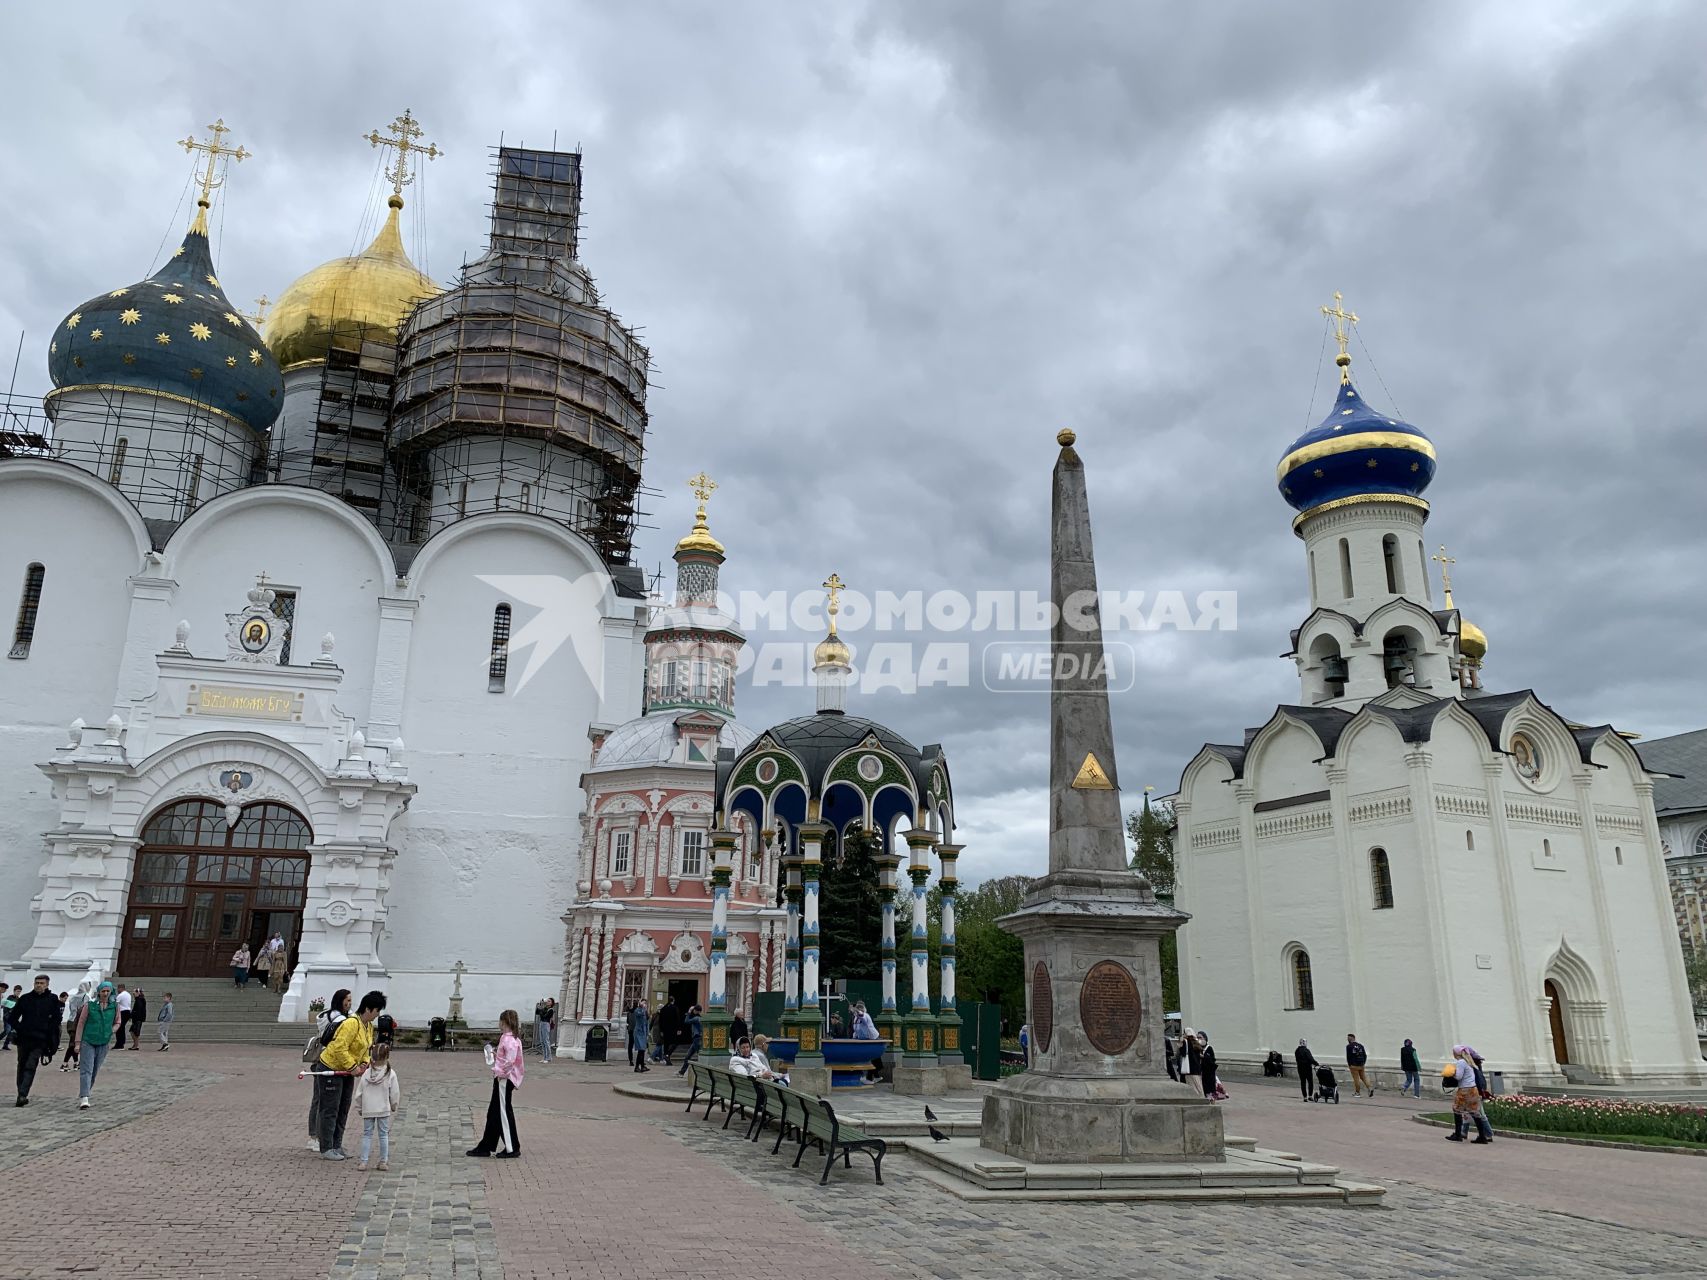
[542, 1029]
[35, 1028]
[346, 1058]
[281, 965]
[1191, 1068]
[122, 1000]
[1460, 1076]
[1355, 1058]
[8, 1003]
[691, 1029]
[500, 1138]
[1412, 1067]
[240, 966]
[666, 1023]
[138, 1016]
[264, 965]
[325, 1028]
[639, 1026]
[377, 1097]
[95, 1032]
[73, 1007]
[1206, 1059]
[163, 1020]
[1306, 1068]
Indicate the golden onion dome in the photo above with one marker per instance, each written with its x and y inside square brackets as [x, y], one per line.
[1472, 640]
[699, 537]
[831, 652]
[342, 302]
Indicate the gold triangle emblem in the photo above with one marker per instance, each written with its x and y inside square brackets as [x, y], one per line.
[1091, 776]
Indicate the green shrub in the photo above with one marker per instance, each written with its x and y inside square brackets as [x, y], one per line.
[1597, 1116]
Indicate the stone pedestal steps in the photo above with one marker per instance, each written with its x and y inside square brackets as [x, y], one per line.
[1248, 1174]
[214, 1011]
[971, 1172]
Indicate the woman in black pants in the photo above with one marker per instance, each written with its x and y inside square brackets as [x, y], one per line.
[1306, 1066]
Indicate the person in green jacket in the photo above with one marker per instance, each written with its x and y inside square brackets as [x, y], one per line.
[94, 1032]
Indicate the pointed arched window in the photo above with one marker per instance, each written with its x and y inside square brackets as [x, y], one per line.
[29, 603]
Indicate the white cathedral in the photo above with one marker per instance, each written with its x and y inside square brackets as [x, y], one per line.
[1402, 854]
[262, 676]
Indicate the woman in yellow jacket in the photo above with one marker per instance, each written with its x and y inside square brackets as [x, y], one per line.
[343, 1060]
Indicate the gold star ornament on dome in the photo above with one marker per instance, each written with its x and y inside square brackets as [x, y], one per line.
[164, 339]
[230, 362]
[254, 356]
[129, 316]
[94, 335]
[73, 320]
[231, 317]
[173, 298]
[200, 332]
[118, 293]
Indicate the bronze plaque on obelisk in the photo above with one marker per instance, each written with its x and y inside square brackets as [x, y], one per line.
[1109, 1008]
[1042, 1006]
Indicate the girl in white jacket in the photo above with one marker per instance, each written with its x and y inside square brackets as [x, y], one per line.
[377, 1096]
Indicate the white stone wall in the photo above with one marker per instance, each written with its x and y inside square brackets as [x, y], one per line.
[1565, 880]
[487, 855]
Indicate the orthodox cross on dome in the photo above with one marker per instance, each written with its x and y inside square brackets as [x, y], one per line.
[210, 177]
[835, 586]
[259, 316]
[405, 131]
[1343, 320]
[703, 487]
[1445, 562]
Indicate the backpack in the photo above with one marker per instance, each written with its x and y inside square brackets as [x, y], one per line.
[319, 1040]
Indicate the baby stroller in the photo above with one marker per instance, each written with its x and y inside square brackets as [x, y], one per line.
[1327, 1088]
[1273, 1065]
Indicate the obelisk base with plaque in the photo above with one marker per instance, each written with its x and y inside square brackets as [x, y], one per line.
[1098, 1090]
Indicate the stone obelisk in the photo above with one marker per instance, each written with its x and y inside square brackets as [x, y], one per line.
[1098, 1090]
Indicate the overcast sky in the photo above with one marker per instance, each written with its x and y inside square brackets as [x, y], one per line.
[882, 252]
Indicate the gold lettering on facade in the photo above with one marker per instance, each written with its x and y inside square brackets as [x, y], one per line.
[254, 704]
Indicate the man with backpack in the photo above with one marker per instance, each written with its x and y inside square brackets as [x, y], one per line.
[1355, 1058]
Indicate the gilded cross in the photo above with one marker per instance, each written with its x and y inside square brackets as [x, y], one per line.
[405, 131]
[1343, 320]
[259, 318]
[214, 147]
[703, 487]
[1445, 562]
[835, 586]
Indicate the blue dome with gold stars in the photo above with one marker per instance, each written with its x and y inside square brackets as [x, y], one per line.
[1355, 453]
[173, 334]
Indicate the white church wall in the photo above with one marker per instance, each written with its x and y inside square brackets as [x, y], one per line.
[489, 847]
[88, 541]
[1282, 763]
[302, 540]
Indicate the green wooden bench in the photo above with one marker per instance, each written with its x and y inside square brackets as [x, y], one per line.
[703, 1083]
[751, 1098]
[819, 1127]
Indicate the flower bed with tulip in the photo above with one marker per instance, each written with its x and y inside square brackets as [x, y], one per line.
[1647, 1122]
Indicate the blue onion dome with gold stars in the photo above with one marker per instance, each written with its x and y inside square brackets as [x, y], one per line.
[174, 334]
[1356, 452]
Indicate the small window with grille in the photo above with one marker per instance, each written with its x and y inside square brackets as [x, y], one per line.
[29, 605]
[499, 666]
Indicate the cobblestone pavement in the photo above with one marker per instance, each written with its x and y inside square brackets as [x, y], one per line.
[194, 1164]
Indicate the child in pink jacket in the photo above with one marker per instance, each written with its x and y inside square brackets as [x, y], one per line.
[507, 1073]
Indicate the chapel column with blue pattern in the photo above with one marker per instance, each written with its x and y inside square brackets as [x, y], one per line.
[948, 1013]
[714, 1018]
[807, 1025]
[917, 1070]
[888, 1018]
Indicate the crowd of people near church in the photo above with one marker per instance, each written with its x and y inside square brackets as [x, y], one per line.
[655, 1037]
[91, 1023]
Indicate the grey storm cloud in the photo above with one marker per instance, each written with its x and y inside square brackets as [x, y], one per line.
[881, 252]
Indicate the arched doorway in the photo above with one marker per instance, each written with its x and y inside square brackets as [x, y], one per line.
[1556, 1018]
[204, 886]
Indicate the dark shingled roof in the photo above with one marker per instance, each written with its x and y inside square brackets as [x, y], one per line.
[1685, 755]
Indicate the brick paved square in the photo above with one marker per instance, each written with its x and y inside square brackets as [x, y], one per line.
[195, 1165]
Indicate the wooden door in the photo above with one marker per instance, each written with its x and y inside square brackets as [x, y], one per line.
[203, 885]
[1556, 1017]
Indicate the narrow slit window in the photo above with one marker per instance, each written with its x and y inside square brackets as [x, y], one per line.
[1381, 878]
[193, 486]
[1345, 568]
[116, 472]
[499, 666]
[29, 604]
[1303, 986]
